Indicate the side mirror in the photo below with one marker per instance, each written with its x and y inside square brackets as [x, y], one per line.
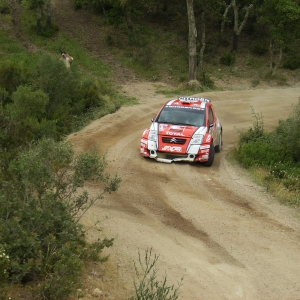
[152, 120]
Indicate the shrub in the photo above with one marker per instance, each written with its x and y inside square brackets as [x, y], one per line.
[11, 76]
[259, 48]
[205, 80]
[292, 62]
[5, 8]
[40, 209]
[286, 136]
[4, 272]
[227, 59]
[148, 286]
[253, 133]
[276, 151]
[4, 265]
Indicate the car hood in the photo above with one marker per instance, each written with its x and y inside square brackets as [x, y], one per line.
[179, 130]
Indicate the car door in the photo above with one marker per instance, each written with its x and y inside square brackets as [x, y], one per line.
[212, 119]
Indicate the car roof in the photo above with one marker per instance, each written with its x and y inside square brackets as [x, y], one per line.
[189, 102]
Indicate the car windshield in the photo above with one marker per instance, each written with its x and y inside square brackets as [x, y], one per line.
[182, 116]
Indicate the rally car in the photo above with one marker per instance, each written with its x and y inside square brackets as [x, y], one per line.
[185, 129]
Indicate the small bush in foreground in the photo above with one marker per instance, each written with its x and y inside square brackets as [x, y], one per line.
[148, 286]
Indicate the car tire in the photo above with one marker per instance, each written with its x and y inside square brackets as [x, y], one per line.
[218, 148]
[211, 156]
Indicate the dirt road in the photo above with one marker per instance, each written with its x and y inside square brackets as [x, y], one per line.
[223, 233]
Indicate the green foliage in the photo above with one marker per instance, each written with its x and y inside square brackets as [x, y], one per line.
[40, 209]
[11, 76]
[51, 103]
[147, 286]
[259, 48]
[227, 59]
[278, 151]
[281, 17]
[254, 133]
[205, 80]
[286, 136]
[4, 272]
[292, 62]
[114, 14]
[5, 7]
[4, 265]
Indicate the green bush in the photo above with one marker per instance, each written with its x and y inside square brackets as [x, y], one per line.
[11, 76]
[253, 133]
[286, 137]
[205, 80]
[147, 286]
[292, 62]
[5, 8]
[227, 59]
[69, 92]
[40, 209]
[277, 151]
[4, 265]
[259, 48]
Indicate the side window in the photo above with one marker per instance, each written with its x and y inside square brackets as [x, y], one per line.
[210, 116]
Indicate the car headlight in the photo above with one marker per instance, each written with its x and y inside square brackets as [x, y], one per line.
[152, 136]
[197, 139]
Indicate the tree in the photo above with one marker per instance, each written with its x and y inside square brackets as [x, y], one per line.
[39, 5]
[192, 40]
[237, 29]
[282, 18]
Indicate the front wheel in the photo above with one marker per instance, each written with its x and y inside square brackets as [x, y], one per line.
[211, 156]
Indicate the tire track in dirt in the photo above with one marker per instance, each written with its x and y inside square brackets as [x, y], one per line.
[232, 239]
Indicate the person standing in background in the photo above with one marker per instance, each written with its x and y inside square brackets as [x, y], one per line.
[66, 58]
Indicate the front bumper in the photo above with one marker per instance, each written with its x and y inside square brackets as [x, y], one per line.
[168, 158]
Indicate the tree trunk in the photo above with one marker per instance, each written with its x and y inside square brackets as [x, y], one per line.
[223, 24]
[165, 6]
[271, 54]
[49, 14]
[39, 19]
[234, 42]
[128, 17]
[277, 64]
[192, 40]
[203, 43]
[238, 29]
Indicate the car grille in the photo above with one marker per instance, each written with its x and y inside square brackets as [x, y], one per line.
[173, 140]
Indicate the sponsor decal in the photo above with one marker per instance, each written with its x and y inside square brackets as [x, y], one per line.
[143, 142]
[162, 126]
[172, 149]
[175, 127]
[205, 147]
[193, 99]
[204, 151]
[208, 139]
[174, 133]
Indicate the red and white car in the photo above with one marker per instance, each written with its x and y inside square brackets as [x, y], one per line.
[185, 129]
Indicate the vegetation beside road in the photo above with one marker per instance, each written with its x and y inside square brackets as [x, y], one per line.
[274, 157]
